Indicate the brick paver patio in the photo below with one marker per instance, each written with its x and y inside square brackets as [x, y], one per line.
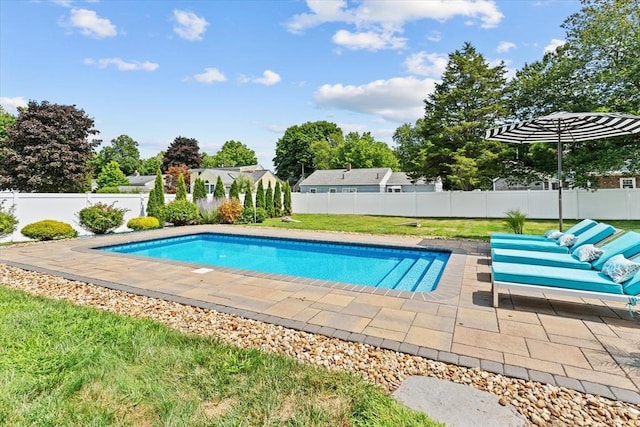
[593, 347]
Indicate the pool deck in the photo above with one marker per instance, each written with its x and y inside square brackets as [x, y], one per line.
[594, 348]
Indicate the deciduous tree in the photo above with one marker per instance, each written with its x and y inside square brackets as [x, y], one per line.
[364, 152]
[48, 150]
[293, 150]
[232, 153]
[182, 151]
[111, 176]
[124, 151]
[172, 176]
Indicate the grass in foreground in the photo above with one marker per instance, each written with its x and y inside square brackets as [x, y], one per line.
[63, 365]
[459, 228]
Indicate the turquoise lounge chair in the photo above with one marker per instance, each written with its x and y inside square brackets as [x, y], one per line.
[628, 245]
[576, 230]
[561, 281]
[593, 235]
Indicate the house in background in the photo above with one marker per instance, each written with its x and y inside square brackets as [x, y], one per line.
[228, 174]
[366, 180]
[139, 184]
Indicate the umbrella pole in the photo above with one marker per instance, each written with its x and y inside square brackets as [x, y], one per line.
[559, 178]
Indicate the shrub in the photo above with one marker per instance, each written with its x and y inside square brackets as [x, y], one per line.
[182, 212]
[515, 221]
[251, 215]
[143, 223]
[219, 191]
[101, 218]
[229, 211]
[8, 221]
[269, 200]
[48, 229]
[208, 211]
[155, 205]
[277, 200]
[234, 190]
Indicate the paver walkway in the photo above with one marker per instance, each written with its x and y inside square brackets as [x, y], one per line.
[593, 348]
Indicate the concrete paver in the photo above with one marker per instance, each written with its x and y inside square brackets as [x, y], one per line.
[588, 346]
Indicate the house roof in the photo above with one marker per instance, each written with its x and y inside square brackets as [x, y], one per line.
[401, 178]
[368, 176]
[140, 180]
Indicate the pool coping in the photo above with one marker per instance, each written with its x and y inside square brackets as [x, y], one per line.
[457, 300]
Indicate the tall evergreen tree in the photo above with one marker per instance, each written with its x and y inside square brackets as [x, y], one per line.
[287, 210]
[181, 190]
[277, 200]
[248, 200]
[219, 191]
[234, 190]
[155, 205]
[466, 103]
[269, 201]
[199, 190]
[260, 200]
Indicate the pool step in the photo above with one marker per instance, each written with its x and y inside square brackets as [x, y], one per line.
[396, 274]
[430, 277]
[414, 275]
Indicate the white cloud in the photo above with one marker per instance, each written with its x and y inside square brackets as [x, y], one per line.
[269, 78]
[427, 64]
[553, 45]
[122, 65]
[368, 40]
[90, 24]
[398, 100]
[210, 75]
[189, 26]
[505, 46]
[394, 13]
[11, 105]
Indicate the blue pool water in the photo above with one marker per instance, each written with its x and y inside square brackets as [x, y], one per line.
[384, 267]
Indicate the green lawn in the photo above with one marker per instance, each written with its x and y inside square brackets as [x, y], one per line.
[465, 228]
[64, 365]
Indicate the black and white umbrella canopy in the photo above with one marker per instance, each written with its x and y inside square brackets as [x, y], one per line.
[566, 127]
[575, 127]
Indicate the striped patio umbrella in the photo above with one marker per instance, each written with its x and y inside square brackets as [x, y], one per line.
[566, 127]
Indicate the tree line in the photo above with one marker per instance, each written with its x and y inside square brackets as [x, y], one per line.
[47, 147]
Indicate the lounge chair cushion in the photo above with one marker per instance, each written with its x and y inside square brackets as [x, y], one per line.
[585, 280]
[567, 240]
[550, 259]
[628, 245]
[577, 229]
[632, 287]
[620, 269]
[593, 235]
[587, 253]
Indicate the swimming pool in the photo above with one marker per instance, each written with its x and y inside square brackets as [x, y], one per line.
[412, 270]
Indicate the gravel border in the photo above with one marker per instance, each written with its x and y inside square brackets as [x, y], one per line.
[541, 404]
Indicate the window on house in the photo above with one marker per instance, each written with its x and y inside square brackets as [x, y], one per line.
[349, 190]
[210, 187]
[312, 190]
[333, 190]
[627, 183]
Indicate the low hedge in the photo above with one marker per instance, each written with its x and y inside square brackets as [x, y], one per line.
[143, 223]
[182, 212]
[48, 229]
[101, 218]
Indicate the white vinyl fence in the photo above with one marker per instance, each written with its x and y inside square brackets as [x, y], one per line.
[577, 204]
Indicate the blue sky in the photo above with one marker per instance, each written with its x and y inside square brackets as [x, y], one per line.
[247, 70]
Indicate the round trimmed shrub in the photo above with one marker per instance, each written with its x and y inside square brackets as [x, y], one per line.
[248, 215]
[143, 223]
[182, 212]
[101, 218]
[48, 229]
[229, 211]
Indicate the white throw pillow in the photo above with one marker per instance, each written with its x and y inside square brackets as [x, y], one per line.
[620, 269]
[567, 240]
[587, 253]
[554, 235]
